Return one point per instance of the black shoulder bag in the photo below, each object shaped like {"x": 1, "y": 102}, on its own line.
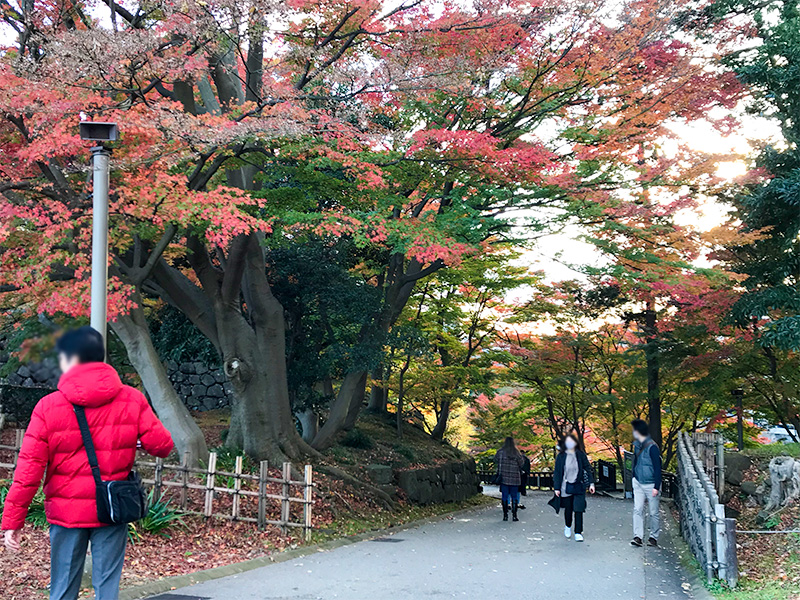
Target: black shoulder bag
{"x": 118, "y": 502}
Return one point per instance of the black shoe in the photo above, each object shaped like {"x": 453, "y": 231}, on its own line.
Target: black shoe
{"x": 652, "y": 542}
{"x": 637, "y": 541}
{"x": 505, "y": 511}
{"x": 521, "y": 507}
{"x": 514, "y": 507}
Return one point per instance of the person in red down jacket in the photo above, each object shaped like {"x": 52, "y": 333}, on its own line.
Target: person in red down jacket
{"x": 119, "y": 416}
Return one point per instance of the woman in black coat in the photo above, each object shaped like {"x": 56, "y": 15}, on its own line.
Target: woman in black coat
{"x": 571, "y": 476}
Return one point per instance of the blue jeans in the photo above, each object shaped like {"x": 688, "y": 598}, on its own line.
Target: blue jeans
{"x": 68, "y": 554}
{"x": 509, "y": 492}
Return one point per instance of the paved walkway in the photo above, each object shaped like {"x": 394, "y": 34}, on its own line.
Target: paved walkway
{"x": 475, "y": 556}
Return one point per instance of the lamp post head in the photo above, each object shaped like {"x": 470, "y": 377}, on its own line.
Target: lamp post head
{"x": 99, "y": 131}
{"x": 738, "y": 392}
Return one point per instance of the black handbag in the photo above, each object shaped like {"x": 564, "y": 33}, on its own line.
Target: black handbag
{"x": 118, "y": 502}
{"x": 575, "y": 488}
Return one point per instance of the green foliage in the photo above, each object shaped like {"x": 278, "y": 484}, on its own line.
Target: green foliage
{"x": 176, "y": 338}
{"x": 773, "y": 450}
{"x": 769, "y": 207}
{"x": 36, "y": 515}
{"x": 358, "y": 439}
{"x": 159, "y": 519}
{"x": 329, "y": 309}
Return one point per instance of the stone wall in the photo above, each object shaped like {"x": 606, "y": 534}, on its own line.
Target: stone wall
{"x": 200, "y": 387}
{"x": 449, "y": 482}
{"x": 44, "y": 374}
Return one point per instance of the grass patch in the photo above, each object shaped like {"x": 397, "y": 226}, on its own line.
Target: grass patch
{"x": 753, "y": 591}
{"x": 358, "y": 438}
{"x": 386, "y": 519}
{"x": 772, "y": 450}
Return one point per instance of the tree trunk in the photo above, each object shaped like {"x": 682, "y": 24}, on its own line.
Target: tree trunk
{"x": 356, "y": 403}
{"x": 441, "y": 423}
{"x": 651, "y": 358}
{"x": 351, "y": 395}
{"x": 309, "y": 424}
{"x": 378, "y": 398}
{"x": 135, "y": 335}
{"x": 401, "y": 392}
{"x": 262, "y": 423}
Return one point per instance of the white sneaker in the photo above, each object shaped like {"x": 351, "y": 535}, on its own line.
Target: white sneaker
{"x": 567, "y": 532}
{"x": 578, "y": 537}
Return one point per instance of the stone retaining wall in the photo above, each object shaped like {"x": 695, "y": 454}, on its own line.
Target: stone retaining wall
{"x": 200, "y": 387}
{"x": 449, "y": 482}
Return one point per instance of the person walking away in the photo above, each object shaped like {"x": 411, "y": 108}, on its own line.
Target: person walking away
{"x": 119, "y": 416}
{"x": 646, "y": 483}
{"x": 509, "y": 463}
{"x": 525, "y": 472}
{"x": 571, "y": 475}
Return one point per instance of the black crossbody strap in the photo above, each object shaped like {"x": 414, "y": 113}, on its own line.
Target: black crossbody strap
{"x": 87, "y": 442}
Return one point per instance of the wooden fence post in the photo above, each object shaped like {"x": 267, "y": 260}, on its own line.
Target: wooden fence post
{"x": 262, "y": 494}
{"x": 732, "y": 571}
{"x": 157, "y": 479}
{"x": 19, "y": 435}
{"x": 720, "y": 466}
{"x": 285, "y": 493}
{"x": 187, "y": 461}
{"x": 212, "y": 469}
{"x": 307, "y": 499}
{"x": 237, "y": 486}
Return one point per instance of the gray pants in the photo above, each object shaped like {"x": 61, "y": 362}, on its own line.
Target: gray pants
{"x": 643, "y": 492}
{"x": 68, "y": 553}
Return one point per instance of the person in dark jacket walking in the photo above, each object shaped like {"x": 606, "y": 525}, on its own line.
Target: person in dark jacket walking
{"x": 571, "y": 475}
{"x": 509, "y": 463}
{"x": 646, "y": 483}
{"x": 119, "y": 416}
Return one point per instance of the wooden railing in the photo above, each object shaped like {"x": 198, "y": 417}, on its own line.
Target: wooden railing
{"x": 263, "y": 498}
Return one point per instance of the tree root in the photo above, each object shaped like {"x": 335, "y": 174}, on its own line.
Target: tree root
{"x": 382, "y": 497}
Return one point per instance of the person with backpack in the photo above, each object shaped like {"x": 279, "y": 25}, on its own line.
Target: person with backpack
{"x": 646, "y": 483}
{"x": 82, "y": 440}
{"x": 572, "y": 475}
{"x": 509, "y": 463}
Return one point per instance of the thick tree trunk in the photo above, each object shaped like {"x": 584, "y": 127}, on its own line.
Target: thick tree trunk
{"x": 378, "y": 397}
{"x": 133, "y": 331}
{"x": 351, "y": 394}
{"x": 441, "y": 423}
{"x": 356, "y": 403}
{"x": 262, "y": 423}
{"x": 651, "y": 358}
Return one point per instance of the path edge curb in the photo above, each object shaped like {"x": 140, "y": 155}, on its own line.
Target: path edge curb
{"x": 169, "y": 584}
{"x": 681, "y": 549}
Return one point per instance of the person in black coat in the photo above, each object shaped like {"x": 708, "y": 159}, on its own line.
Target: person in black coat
{"x": 571, "y": 476}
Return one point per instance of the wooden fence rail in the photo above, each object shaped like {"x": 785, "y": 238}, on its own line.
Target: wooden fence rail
{"x": 186, "y": 486}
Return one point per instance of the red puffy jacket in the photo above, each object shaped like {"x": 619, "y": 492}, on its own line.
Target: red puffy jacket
{"x": 118, "y": 416}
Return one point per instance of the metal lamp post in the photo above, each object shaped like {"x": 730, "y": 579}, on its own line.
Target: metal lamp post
{"x": 738, "y": 394}
{"x": 102, "y": 132}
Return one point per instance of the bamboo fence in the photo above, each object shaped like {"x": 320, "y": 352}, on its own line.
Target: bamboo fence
{"x": 263, "y": 499}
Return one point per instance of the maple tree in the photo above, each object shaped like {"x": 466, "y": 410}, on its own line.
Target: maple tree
{"x": 445, "y": 339}
{"x": 416, "y": 131}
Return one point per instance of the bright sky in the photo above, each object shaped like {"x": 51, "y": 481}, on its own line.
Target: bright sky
{"x": 555, "y": 253}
